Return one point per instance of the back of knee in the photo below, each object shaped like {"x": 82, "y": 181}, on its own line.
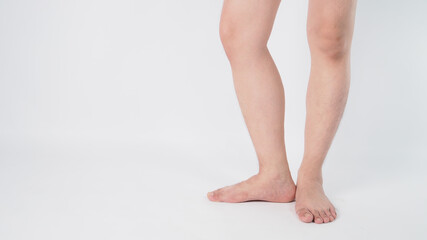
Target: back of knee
{"x": 328, "y": 40}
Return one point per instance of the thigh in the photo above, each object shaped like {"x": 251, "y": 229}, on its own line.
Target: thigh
{"x": 248, "y": 19}
{"x": 331, "y": 17}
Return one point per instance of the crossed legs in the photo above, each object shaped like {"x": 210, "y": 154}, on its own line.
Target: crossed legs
{"x": 245, "y": 29}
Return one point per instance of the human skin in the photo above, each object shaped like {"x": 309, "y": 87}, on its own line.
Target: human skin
{"x": 245, "y": 28}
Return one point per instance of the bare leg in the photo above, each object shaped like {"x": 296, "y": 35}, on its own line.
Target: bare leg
{"x": 329, "y": 30}
{"x": 245, "y": 29}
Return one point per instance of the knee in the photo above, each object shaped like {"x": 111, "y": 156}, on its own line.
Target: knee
{"x": 226, "y": 34}
{"x": 239, "y": 43}
{"x": 329, "y": 41}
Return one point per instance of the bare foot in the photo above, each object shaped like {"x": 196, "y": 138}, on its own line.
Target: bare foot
{"x": 312, "y": 203}
{"x": 257, "y": 187}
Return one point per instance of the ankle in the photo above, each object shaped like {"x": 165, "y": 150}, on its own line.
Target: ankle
{"x": 310, "y": 176}
{"x": 275, "y": 175}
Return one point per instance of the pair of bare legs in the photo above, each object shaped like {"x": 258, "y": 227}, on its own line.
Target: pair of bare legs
{"x": 245, "y": 28}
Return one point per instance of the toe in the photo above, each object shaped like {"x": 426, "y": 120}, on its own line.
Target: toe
{"x": 334, "y": 213}
{"x": 330, "y": 215}
{"x": 213, "y": 196}
{"x": 305, "y": 215}
{"x": 324, "y": 216}
{"x": 317, "y": 217}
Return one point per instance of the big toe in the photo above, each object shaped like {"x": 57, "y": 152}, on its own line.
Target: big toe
{"x": 214, "y": 196}
{"x": 305, "y": 215}
{"x": 211, "y": 196}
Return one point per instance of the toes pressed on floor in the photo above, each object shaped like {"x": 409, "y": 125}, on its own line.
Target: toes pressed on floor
{"x": 324, "y": 216}
{"x": 212, "y": 196}
{"x": 333, "y": 212}
{"x": 305, "y": 215}
{"x": 318, "y": 220}
{"x": 331, "y": 215}
{"x": 316, "y": 216}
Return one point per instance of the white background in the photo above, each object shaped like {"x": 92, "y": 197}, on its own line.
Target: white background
{"x": 117, "y": 117}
